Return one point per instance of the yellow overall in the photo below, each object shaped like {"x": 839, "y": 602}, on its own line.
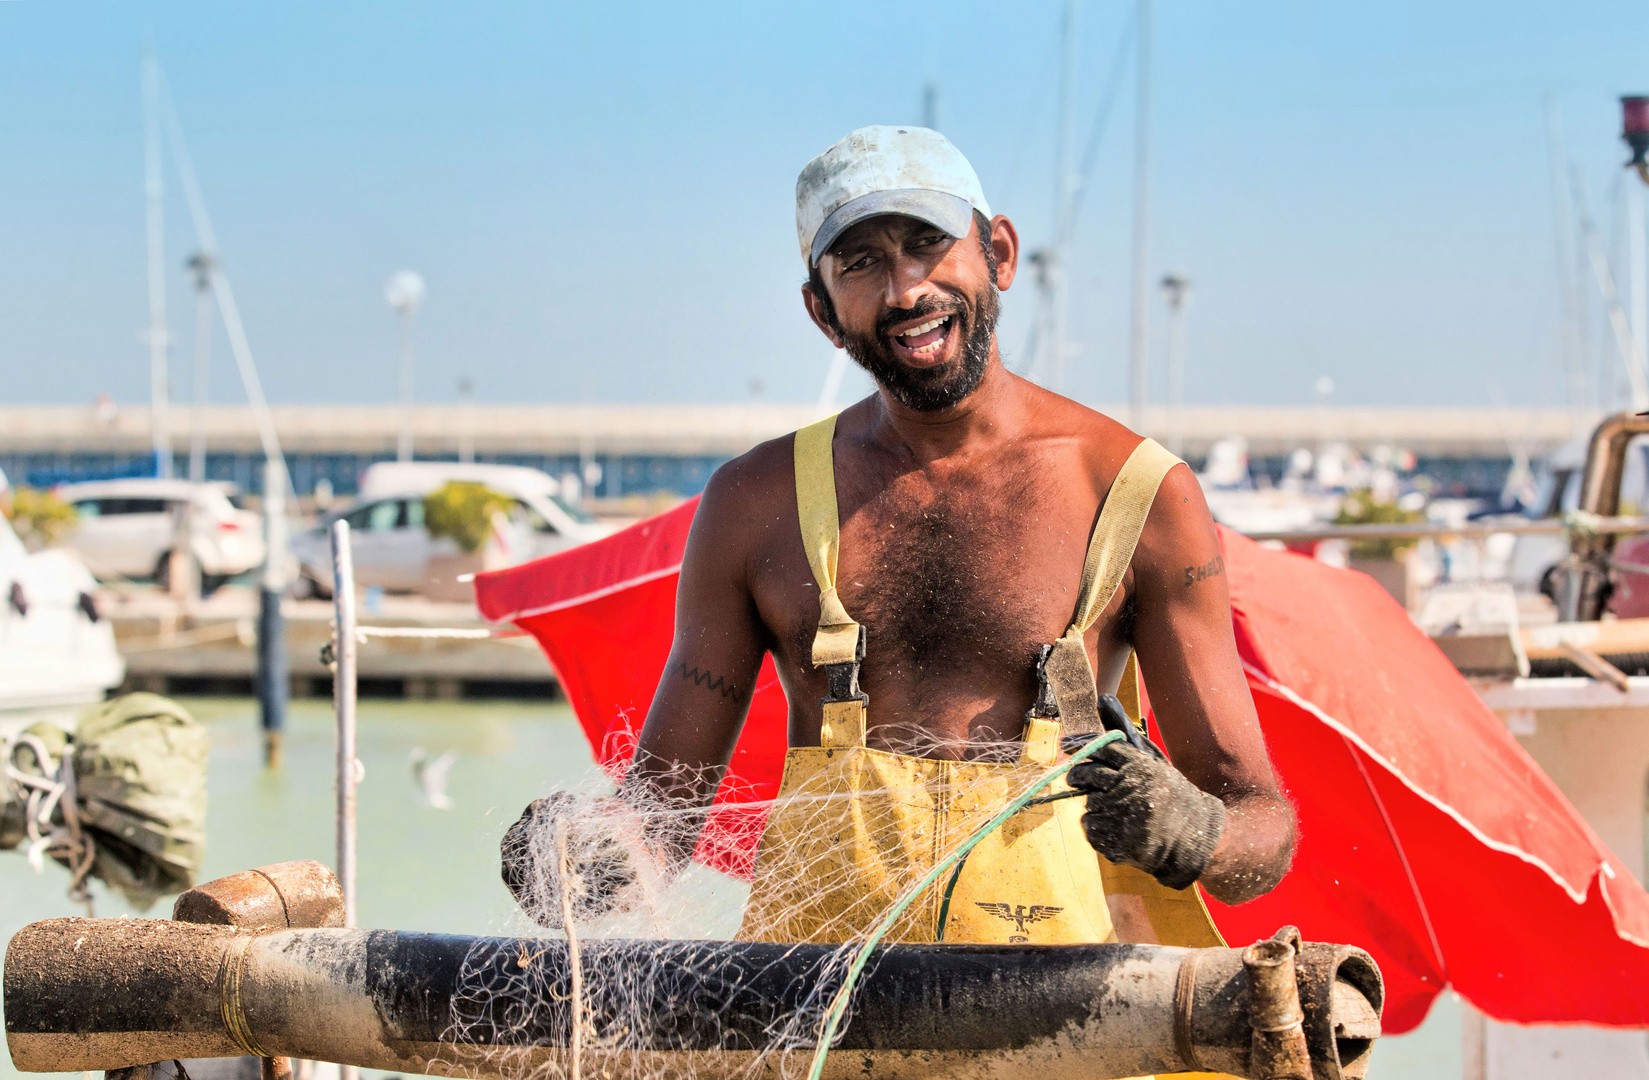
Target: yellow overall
{"x": 852, "y": 826}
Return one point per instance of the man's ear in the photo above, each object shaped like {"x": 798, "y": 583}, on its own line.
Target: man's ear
{"x": 1005, "y": 242}
{"x": 816, "y": 311}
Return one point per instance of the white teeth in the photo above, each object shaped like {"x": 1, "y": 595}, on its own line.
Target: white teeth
{"x": 925, "y": 327}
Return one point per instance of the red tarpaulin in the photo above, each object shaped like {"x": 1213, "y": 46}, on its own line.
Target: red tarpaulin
{"x": 1427, "y": 835}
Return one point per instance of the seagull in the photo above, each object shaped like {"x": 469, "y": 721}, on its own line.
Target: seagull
{"x": 432, "y": 776}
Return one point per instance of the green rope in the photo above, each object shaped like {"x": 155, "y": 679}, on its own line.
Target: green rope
{"x": 956, "y": 874}
{"x": 838, "y": 1006}
{"x": 944, "y": 905}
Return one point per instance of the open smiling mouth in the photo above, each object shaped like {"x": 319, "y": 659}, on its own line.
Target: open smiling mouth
{"x": 925, "y": 342}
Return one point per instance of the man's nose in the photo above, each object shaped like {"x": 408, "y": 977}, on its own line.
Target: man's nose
{"x": 906, "y": 282}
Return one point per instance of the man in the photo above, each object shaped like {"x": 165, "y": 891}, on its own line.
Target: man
{"x": 908, "y": 564}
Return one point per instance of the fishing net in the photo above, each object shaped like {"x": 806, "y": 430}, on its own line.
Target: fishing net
{"x": 121, "y": 798}
{"x": 615, "y": 981}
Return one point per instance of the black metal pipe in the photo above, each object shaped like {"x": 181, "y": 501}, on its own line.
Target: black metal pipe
{"x": 102, "y": 994}
{"x": 273, "y": 675}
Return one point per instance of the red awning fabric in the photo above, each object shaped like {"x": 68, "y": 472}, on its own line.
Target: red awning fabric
{"x": 1427, "y": 835}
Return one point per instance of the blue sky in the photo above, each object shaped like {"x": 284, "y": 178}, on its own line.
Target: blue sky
{"x": 600, "y": 196}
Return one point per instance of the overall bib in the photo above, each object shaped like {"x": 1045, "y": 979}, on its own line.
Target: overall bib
{"x": 852, "y": 826}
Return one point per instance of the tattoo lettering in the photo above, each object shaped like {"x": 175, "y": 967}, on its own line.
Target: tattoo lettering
{"x": 701, "y": 677}
{"x": 1212, "y": 568}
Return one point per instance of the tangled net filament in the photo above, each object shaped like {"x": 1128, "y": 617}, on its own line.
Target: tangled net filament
{"x": 612, "y": 994}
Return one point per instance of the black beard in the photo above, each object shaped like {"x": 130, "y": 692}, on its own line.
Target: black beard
{"x": 939, "y": 387}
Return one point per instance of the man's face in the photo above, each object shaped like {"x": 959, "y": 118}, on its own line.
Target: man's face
{"x": 914, "y": 307}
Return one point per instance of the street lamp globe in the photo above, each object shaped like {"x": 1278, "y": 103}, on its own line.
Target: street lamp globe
{"x": 404, "y": 291}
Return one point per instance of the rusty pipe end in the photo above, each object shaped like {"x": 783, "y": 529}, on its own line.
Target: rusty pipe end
{"x": 300, "y": 894}
{"x": 1277, "y": 1049}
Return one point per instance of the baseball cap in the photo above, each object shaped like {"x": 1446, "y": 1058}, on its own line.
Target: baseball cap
{"x": 913, "y": 171}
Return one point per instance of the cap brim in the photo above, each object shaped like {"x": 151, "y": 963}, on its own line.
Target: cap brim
{"x": 942, "y": 210}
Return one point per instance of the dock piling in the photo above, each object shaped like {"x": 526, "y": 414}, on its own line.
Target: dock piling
{"x": 274, "y": 672}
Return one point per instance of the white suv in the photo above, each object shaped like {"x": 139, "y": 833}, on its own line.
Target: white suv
{"x": 392, "y": 548}
{"x": 129, "y": 527}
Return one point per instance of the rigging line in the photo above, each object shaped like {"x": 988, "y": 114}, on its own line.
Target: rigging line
{"x": 1113, "y": 90}
{"x": 1623, "y": 330}
{"x": 1033, "y": 107}
{"x": 239, "y": 347}
{"x": 185, "y": 166}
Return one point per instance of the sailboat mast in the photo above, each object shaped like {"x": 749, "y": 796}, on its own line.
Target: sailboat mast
{"x": 160, "y": 433}
{"x": 1058, "y": 275}
{"x": 1637, "y": 276}
{"x": 1138, "y": 374}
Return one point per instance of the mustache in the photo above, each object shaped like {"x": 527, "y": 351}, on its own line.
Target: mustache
{"x": 925, "y": 307}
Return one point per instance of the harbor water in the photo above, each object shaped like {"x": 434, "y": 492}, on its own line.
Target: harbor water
{"x": 433, "y": 869}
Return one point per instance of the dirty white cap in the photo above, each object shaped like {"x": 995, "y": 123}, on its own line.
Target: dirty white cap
{"x": 912, "y": 171}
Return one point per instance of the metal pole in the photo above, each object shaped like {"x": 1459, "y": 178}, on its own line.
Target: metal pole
{"x": 1064, "y": 190}
{"x": 403, "y": 436}
{"x": 1138, "y": 373}
{"x": 1177, "y": 289}
{"x": 160, "y": 434}
{"x": 274, "y": 679}
{"x": 466, "y": 433}
{"x": 344, "y": 646}
{"x": 343, "y": 697}
{"x": 201, "y": 264}
{"x": 1640, "y": 279}
{"x": 1575, "y": 367}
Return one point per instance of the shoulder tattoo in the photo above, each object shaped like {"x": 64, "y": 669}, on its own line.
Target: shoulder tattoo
{"x": 1212, "y": 568}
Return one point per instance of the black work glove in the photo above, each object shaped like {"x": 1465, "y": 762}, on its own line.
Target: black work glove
{"x": 602, "y": 838}
{"x": 1144, "y": 812}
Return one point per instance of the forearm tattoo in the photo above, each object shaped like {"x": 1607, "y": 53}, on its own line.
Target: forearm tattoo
{"x": 703, "y": 677}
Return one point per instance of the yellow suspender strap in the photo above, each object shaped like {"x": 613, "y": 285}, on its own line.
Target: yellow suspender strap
{"x": 837, "y": 639}
{"x": 1116, "y": 534}
{"x": 1110, "y": 551}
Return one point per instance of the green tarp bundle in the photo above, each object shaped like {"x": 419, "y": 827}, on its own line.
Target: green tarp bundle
{"x": 138, "y": 820}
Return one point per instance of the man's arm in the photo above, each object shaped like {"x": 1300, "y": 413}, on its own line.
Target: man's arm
{"x": 1187, "y": 649}
{"x": 707, "y": 684}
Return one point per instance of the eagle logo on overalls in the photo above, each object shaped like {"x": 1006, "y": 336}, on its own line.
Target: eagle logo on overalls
{"x": 1021, "y": 916}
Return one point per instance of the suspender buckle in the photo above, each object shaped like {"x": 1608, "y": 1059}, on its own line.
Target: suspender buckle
{"x": 842, "y": 680}
{"x": 1046, "y": 706}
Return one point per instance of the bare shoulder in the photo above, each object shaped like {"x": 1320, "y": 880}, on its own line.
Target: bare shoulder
{"x": 1103, "y": 442}
{"x": 1179, "y": 520}
{"x": 743, "y": 494}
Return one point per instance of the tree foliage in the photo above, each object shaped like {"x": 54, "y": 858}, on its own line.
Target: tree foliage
{"x": 462, "y": 510}
{"x": 1359, "y": 508}
{"x": 39, "y": 518}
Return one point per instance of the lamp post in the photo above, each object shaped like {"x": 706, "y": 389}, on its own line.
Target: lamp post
{"x": 405, "y": 291}
{"x": 466, "y": 433}
{"x": 1635, "y": 131}
{"x": 201, "y": 263}
{"x": 1176, "y": 290}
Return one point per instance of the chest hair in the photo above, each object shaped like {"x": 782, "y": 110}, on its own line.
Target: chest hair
{"x": 944, "y": 587}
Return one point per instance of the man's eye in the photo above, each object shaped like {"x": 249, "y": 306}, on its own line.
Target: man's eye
{"x": 931, "y": 239}
{"x": 858, "y": 264}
